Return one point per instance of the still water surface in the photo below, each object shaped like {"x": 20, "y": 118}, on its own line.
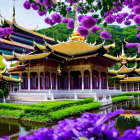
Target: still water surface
{"x": 14, "y": 129}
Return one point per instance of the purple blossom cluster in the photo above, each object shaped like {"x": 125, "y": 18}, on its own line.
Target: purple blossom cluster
{"x": 37, "y": 6}
{"x": 5, "y": 31}
{"x": 55, "y": 18}
{"x": 89, "y": 125}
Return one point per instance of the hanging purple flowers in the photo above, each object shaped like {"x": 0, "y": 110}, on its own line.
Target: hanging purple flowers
{"x": 105, "y": 35}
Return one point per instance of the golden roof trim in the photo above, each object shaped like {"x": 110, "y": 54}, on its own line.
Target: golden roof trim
{"x": 10, "y": 79}
{"x": 112, "y": 57}
{"x": 33, "y": 57}
{"x": 109, "y": 46}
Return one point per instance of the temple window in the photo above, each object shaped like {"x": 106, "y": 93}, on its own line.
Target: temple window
{"x": 24, "y": 84}
{"x": 95, "y": 81}
{"x": 47, "y": 82}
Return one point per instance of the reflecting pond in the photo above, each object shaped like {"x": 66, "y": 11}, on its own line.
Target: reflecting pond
{"x": 14, "y": 128}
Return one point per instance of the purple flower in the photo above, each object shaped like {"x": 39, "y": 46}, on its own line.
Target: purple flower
{"x": 137, "y": 19}
{"x": 119, "y": 8}
{"x": 138, "y": 49}
{"x": 136, "y": 1}
{"x": 138, "y": 27}
{"x": 8, "y": 30}
{"x": 119, "y": 19}
{"x": 95, "y": 29}
{"x": 69, "y": 8}
{"x": 130, "y": 45}
{"x": 27, "y": 5}
{"x": 41, "y": 2}
{"x": 1, "y": 32}
{"x": 47, "y": 20}
{"x": 56, "y": 18}
{"x": 80, "y": 17}
{"x": 52, "y": 22}
{"x": 34, "y": 6}
{"x": 79, "y": 8}
{"x": 110, "y": 19}
{"x": 88, "y": 22}
{"x": 83, "y": 31}
{"x": 105, "y": 35}
{"x": 131, "y": 5}
{"x": 65, "y": 20}
{"x": 138, "y": 35}
{"x": 5, "y": 138}
{"x": 41, "y": 13}
{"x": 127, "y": 22}
{"x": 136, "y": 9}
{"x": 70, "y": 24}
{"x": 72, "y": 1}
{"x": 124, "y": 15}
{"x": 131, "y": 16}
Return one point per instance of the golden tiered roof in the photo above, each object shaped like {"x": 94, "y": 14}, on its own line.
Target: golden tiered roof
{"x": 5, "y": 78}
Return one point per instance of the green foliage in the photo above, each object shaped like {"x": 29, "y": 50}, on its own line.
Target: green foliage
{"x": 126, "y": 94}
{"x": 13, "y": 65}
{"x": 13, "y": 114}
{"x": 1, "y": 93}
{"x": 41, "y": 112}
{"x": 2, "y": 65}
{"x": 132, "y": 93}
{"x": 74, "y": 110}
{"x": 122, "y": 98}
{"x": 6, "y": 93}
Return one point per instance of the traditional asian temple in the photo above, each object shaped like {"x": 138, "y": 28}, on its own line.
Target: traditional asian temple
{"x": 128, "y": 77}
{"x": 70, "y": 70}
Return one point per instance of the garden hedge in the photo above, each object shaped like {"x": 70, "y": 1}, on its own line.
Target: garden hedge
{"x": 122, "y": 98}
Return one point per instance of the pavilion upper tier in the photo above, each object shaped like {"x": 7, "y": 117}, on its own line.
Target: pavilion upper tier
{"x": 124, "y": 70}
{"x": 21, "y": 39}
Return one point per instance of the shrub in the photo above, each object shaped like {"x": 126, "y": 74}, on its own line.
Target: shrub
{"x": 117, "y": 95}
{"x": 122, "y": 98}
{"x": 6, "y": 93}
{"x": 61, "y": 114}
{"x": 48, "y": 107}
{"x": 132, "y": 93}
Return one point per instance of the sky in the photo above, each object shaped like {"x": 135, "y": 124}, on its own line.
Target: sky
{"x": 27, "y": 18}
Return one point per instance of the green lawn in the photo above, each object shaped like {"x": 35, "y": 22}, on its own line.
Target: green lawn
{"x": 47, "y": 111}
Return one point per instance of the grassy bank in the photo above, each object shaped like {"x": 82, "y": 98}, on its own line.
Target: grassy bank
{"x": 47, "y": 111}
{"x": 121, "y": 98}
{"x": 126, "y": 94}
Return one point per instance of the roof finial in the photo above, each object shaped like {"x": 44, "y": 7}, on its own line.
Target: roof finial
{"x": 14, "y": 20}
{"x": 76, "y": 19}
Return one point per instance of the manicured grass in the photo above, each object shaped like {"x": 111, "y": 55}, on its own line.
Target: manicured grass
{"x": 126, "y": 94}
{"x": 47, "y": 111}
{"x": 122, "y": 98}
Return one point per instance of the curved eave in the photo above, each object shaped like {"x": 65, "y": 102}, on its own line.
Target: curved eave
{"x": 33, "y": 57}
{"x": 3, "y": 71}
{"x": 107, "y": 47}
{"x": 17, "y": 68}
{"x": 131, "y": 79}
{"x": 112, "y": 72}
{"x": 9, "y": 57}
{"x": 121, "y": 76}
{"x": 113, "y": 58}
{"x": 39, "y": 47}
{"x": 10, "y": 79}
